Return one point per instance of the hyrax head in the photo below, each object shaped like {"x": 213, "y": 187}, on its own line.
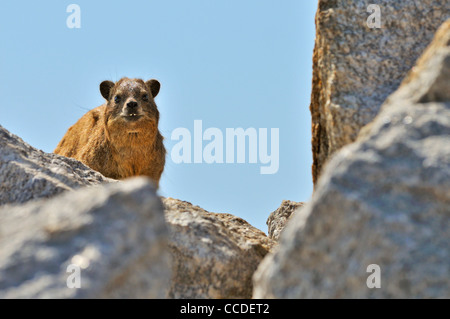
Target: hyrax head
{"x": 130, "y": 101}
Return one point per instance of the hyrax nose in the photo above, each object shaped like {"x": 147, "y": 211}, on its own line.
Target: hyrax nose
{"x": 132, "y": 105}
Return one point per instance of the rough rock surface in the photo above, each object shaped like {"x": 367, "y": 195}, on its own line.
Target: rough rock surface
{"x": 115, "y": 233}
{"x": 27, "y": 173}
{"x": 355, "y": 68}
{"x": 383, "y": 200}
{"x": 214, "y": 255}
{"x": 277, "y": 220}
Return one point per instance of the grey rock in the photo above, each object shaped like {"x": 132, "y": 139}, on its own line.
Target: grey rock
{"x": 116, "y": 234}
{"x": 355, "y": 68}
{"x": 383, "y": 200}
{"x": 214, "y": 255}
{"x": 277, "y": 219}
{"x": 27, "y": 173}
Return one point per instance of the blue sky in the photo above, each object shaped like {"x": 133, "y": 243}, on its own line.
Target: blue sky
{"x": 228, "y": 63}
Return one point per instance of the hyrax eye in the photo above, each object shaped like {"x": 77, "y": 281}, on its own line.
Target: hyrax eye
{"x": 117, "y": 99}
{"x": 145, "y": 97}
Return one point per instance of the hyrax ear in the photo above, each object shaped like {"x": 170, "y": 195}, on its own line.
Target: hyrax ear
{"x": 105, "y": 88}
{"x": 154, "y": 86}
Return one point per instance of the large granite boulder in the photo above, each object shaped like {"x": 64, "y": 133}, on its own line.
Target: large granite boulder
{"x": 113, "y": 236}
{"x": 27, "y": 173}
{"x": 383, "y": 200}
{"x": 355, "y": 68}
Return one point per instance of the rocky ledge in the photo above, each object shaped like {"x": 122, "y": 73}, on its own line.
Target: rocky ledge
{"x": 125, "y": 240}
{"x": 382, "y": 202}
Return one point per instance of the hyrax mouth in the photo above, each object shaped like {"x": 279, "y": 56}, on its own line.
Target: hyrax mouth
{"x": 132, "y": 116}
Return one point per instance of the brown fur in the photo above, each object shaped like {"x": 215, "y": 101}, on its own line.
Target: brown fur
{"x": 111, "y": 140}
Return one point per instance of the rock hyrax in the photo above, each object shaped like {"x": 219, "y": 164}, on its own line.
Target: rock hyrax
{"x": 120, "y": 138}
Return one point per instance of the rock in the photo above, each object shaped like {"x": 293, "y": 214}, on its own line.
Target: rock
{"x": 27, "y": 173}
{"x": 277, "y": 220}
{"x": 214, "y": 255}
{"x": 382, "y": 200}
{"x": 355, "y": 68}
{"x": 115, "y": 233}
